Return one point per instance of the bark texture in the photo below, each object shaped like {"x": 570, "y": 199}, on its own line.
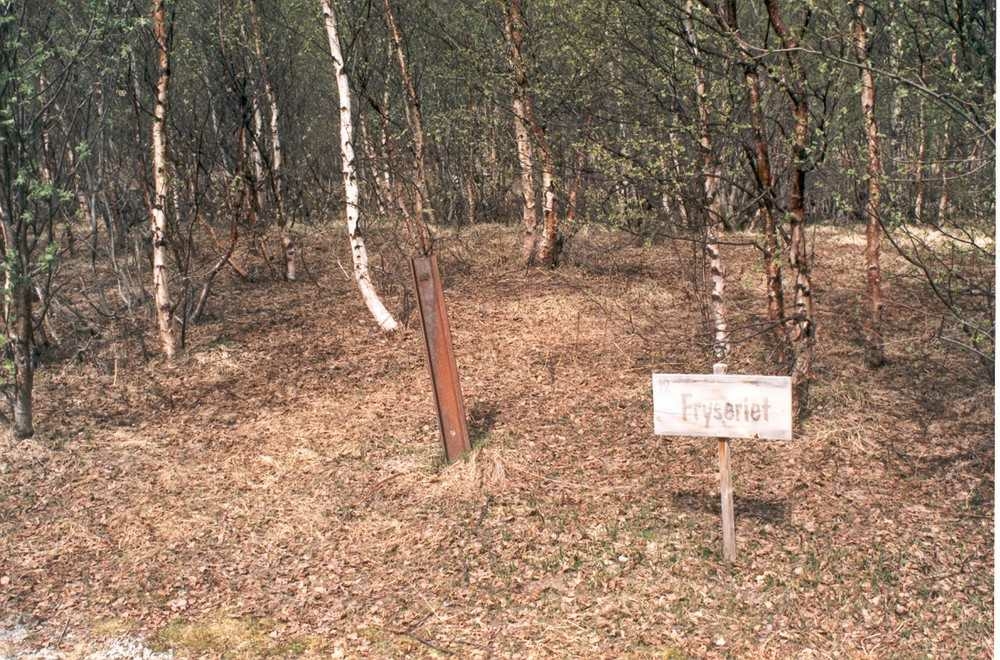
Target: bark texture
{"x": 161, "y": 185}
{"x": 17, "y": 311}
{"x": 359, "y": 254}
{"x": 874, "y": 346}
{"x": 277, "y": 154}
{"x": 711, "y": 176}
{"x": 766, "y": 206}
{"x": 256, "y": 140}
{"x": 919, "y": 186}
{"x": 550, "y": 216}
{"x": 424, "y": 211}
{"x": 802, "y": 327}
{"x": 23, "y": 344}
{"x": 523, "y": 114}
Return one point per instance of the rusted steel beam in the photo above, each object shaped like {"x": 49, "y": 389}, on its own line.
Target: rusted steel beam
{"x": 440, "y": 357}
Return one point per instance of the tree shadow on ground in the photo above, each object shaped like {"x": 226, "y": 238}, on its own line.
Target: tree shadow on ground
{"x": 482, "y": 418}
{"x": 769, "y": 511}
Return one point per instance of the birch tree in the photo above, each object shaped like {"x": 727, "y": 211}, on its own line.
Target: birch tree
{"x": 257, "y": 152}
{"x": 728, "y": 18}
{"x": 424, "y": 211}
{"x": 710, "y": 175}
{"x": 527, "y": 129}
{"x": 550, "y": 212}
{"x": 874, "y": 349}
{"x": 919, "y": 186}
{"x": 795, "y": 84}
{"x": 521, "y": 104}
{"x": 277, "y": 158}
{"x": 161, "y": 184}
{"x": 17, "y": 375}
{"x": 359, "y": 254}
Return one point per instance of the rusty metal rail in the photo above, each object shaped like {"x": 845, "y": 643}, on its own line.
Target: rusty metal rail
{"x": 440, "y": 356}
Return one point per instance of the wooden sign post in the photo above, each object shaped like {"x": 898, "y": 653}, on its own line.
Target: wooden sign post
{"x": 726, "y": 489}
{"x": 440, "y": 357}
{"x": 723, "y": 407}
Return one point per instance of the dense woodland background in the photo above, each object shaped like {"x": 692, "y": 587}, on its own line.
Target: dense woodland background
{"x": 671, "y": 121}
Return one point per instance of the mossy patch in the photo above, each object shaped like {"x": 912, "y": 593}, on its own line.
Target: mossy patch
{"x": 229, "y": 637}
{"x": 112, "y": 627}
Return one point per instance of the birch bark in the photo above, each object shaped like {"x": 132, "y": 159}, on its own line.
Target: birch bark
{"x": 359, "y": 254}
{"x": 161, "y": 184}
{"x": 414, "y": 119}
{"x": 874, "y": 349}
{"x": 17, "y": 313}
{"x": 521, "y": 105}
{"x": 550, "y": 217}
{"x": 802, "y": 327}
{"x": 729, "y": 19}
{"x": 941, "y": 170}
{"x": 711, "y": 175}
{"x": 284, "y": 222}
{"x": 765, "y": 182}
{"x": 919, "y": 185}
{"x": 256, "y": 140}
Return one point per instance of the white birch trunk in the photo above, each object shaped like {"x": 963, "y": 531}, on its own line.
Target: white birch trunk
{"x": 713, "y": 215}
{"x": 918, "y": 166}
{"x": 802, "y": 327}
{"x": 358, "y": 252}
{"x": 287, "y": 244}
{"x": 521, "y": 104}
{"x": 526, "y": 160}
{"x": 550, "y": 221}
{"x": 161, "y": 291}
{"x": 942, "y": 170}
{"x": 258, "y": 158}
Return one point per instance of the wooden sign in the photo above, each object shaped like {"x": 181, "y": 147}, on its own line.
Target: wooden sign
{"x": 719, "y": 406}
{"x": 723, "y": 407}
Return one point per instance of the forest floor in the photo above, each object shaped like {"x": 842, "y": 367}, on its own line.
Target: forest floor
{"x": 279, "y": 489}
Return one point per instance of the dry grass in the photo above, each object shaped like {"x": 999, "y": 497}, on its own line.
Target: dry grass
{"x": 279, "y": 489}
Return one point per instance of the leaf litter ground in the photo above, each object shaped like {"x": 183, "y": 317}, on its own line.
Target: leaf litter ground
{"x": 279, "y": 490}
